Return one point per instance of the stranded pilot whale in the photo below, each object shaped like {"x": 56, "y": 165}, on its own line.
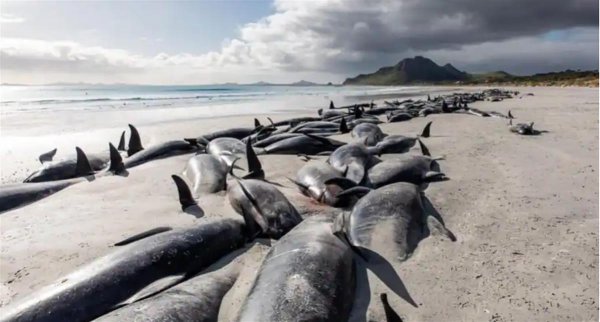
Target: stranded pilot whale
{"x": 394, "y": 212}
{"x": 308, "y": 275}
{"x": 19, "y": 194}
{"x": 197, "y": 299}
{"x": 131, "y": 272}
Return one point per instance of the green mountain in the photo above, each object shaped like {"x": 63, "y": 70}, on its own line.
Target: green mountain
{"x": 421, "y": 70}
{"x": 417, "y": 70}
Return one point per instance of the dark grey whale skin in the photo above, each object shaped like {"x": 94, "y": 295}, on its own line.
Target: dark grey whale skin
{"x": 103, "y": 284}
{"x": 65, "y": 169}
{"x": 279, "y": 215}
{"x": 195, "y": 300}
{"x": 410, "y": 168}
{"x": 161, "y": 150}
{"x": 19, "y": 194}
{"x": 301, "y": 145}
{"x": 308, "y": 275}
{"x": 397, "y": 206}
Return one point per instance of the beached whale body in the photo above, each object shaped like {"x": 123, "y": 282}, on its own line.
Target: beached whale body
{"x": 394, "y": 212}
{"x": 313, "y": 180}
{"x": 353, "y": 160}
{"x": 19, "y": 194}
{"x": 67, "y": 169}
{"x": 416, "y": 169}
{"x": 226, "y": 149}
{"x": 305, "y": 144}
{"x": 400, "y": 143}
{"x": 162, "y": 150}
{"x": 162, "y": 260}
{"x": 274, "y": 138}
{"x": 197, "y": 299}
{"x": 368, "y": 133}
{"x": 296, "y": 120}
{"x": 308, "y": 275}
{"x": 268, "y": 207}
{"x": 206, "y": 173}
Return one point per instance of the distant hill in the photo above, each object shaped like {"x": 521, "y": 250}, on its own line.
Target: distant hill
{"x": 421, "y": 70}
{"x": 417, "y": 70}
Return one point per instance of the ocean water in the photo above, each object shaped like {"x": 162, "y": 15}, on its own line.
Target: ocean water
{"x": 14, "y": 98}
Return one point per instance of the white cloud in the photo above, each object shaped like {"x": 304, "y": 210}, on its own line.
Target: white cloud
{"x": 10, "y": 18}
{"x": 329, "y": 40}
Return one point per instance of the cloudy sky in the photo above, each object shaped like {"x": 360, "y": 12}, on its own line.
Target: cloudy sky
{"x": 215, "y": 41}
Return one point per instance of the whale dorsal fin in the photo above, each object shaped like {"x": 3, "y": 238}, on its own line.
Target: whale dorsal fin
{"x": 83, "y": 167}
{"x": 331, "y": 106}
{"x": 257, "y": 123}
{"x": 254, "y": 166}
{"x": 142, "y": 235}
{"x": 116, "y": 161}
{"x": 185, "y": 194}
{"x": 135, "y": 142}
{"x": 510, "y": 116}
{"x": 121, "y": 146}
{"x": 426, "y": 129}
{"x": 344, "y": 126}
{"x": 47, "y": 157}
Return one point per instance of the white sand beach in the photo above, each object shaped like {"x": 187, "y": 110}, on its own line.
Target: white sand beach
{"x": 524, "y": 209}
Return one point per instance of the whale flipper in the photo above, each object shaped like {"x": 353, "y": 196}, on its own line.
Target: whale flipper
{"x": 424, "y": 149}
{"x": 435, "y": 226}
{"x": 83, "y": 167}
{"x": 153, "y": 288}
{"x": 258, "y": 216}
{"x": 121, "y": 146}
{"x": 135, "y": 142}
{"x": 358, "y": 190}
{"x": 341, "y": 182}
{"x": 185, "y": 194}
{"x": 390, "y": 314}
{"x": 434, "y": 176}
{"x": 116, "y": 161}
{"x": 143, "y": 235}
{"x": 47, "y": 157}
